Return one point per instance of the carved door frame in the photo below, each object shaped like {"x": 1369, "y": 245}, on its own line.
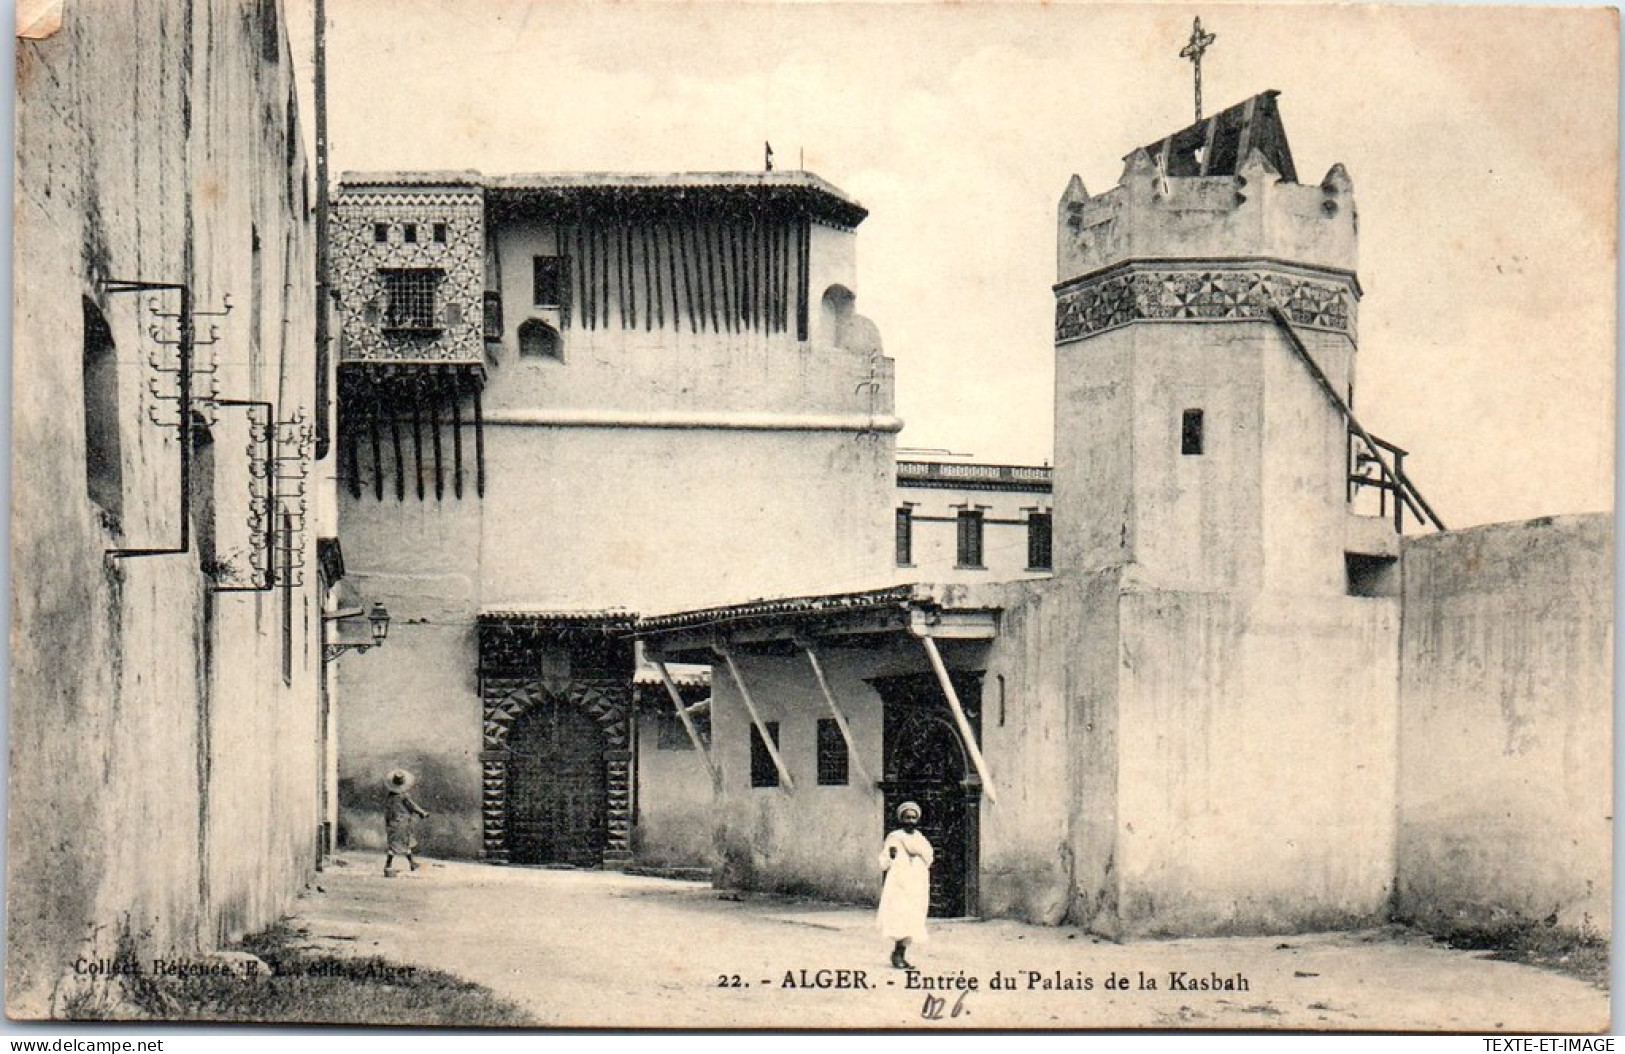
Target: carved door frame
{"x": 922, "y": 694}
{"x": 608, "y": 701}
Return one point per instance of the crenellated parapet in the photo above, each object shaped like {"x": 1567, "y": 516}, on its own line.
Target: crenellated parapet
{"x": 1223, "y": 189}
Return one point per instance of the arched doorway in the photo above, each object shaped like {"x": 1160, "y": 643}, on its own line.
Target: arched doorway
{"x": 926, "y": 762}
{"x": 557, "y": 787}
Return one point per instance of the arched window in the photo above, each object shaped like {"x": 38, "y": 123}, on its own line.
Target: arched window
{"x": 538, "y": 340}
{"x": 104, "y": 463}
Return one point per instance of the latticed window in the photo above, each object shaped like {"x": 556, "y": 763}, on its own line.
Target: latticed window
{"x": 763, "y": 773}
{"x": 832, "y": 759}
{"x": 1040, "y": 541}
{"x": 411, "y": 296}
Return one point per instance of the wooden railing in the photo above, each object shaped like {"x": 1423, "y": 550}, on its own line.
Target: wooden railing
{"x": 1365, "y": 450}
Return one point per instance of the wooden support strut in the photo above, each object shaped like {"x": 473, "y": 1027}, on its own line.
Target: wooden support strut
{"x": 688, "y": 722}
{"x": 840, "y": 718}
{"x": 755, "y": 718}
{"x": 959, "y": 716}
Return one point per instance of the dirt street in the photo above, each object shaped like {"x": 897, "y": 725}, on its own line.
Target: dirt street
{"x": 591, "y": 948}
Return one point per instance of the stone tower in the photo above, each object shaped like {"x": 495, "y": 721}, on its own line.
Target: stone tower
{"x": 1239, "y": 757}
{"x": 1194, "y": 442}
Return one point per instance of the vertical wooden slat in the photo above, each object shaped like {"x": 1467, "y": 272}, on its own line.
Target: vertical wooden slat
{"x": 457, "y": 434}
{"x": 623, "y": 276}
{"x": 728, "y": 257}
{"x": 745, "y": 308}
{"x": 650, "y": 271}
{"x": 784, "y": 277}
{"x": 479, "y": 446}
{"x": 352, "y": 451}
{"x": 589, "y": 307}
{"x": 688, "y": 285}
{"x": 660, "y": 290}
{"x": 712, "y": 266}
{"x": 671, "y": 266}
{"x": 742, "y": 265}
{"x": 568, "y": 264}
{"x": 434, "y": 430}
{"x": 803, "y": 276}
{"x": 417, "y": 443}
{"x": 696, "y": 250}
{"x": 377, "y": 451}
{"x": 759, "y": 274}
{"x": 603, "y": 290}
{"x": 772, "y": 277}
{"x": 787, "y": 282}
{"x": 400, "y": 460}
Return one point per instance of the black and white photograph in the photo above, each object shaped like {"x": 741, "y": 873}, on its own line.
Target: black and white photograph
{"x": 720, "y": 515}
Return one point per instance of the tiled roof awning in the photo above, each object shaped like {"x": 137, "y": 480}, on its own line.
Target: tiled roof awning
{"x": 917, "y": 610}
{"x": 609, "y": 620}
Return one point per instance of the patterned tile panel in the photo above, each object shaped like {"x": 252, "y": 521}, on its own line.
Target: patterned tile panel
{"x": 359, "y": 258}
{"x": 1210, "y": 294}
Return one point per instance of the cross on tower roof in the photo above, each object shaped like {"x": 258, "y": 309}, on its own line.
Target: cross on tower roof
{"x": 1193, "y": 50}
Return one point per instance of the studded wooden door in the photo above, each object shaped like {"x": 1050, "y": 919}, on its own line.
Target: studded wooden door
{"x": 556, "y": 788}
{"x": 926, "y": 763}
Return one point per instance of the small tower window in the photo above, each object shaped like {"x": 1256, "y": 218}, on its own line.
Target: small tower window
{"x": 380, "y": 232}
{"x": 409, "y": 232}
{"x": 440, "y": 233}
{"x": 538, "y": 340}
{"x": 905, "y": 537}
{"x": 1190, "y": 434}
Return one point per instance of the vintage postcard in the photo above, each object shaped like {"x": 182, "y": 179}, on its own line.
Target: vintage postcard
{"x": 813, "y": 516}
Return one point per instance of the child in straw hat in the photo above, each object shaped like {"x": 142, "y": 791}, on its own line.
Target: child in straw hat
{"x": 401, "y": 814}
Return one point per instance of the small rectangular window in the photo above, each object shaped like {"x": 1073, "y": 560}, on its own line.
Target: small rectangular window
{"x": 409, "y": 233}
{"x": 548, "y": 281}
{"x": 763, "y": 773}
{"x": 905, "y": 537}
{"x": 1040, "y": 541}
{"x": 970, "y": 538}
{"x": 832, "y": 760}
{"x": 1190, "y": 434}
{"x": 440, "y": 233}
{"x": 380, "y": 232}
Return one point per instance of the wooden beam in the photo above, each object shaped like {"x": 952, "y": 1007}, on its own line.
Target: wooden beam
{"x": 756, "y": 719}
{"x": 840, "y": 718}
{"x": 688, "y": 722}
{"x": 954, "y": 625}
{"x": 971, "y": 746}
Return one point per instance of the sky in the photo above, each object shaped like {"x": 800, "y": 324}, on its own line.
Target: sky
{"x": 1482, "y": 144}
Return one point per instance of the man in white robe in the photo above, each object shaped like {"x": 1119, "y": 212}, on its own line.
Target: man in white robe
{"x": 906, "y": 857}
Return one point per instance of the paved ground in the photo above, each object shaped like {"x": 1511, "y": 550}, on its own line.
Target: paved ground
{"x": 600, "y": 948}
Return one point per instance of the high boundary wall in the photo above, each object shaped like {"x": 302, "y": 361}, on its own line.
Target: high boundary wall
{"x": 1506, "y": 690}
{"x": 165, "y": 763}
